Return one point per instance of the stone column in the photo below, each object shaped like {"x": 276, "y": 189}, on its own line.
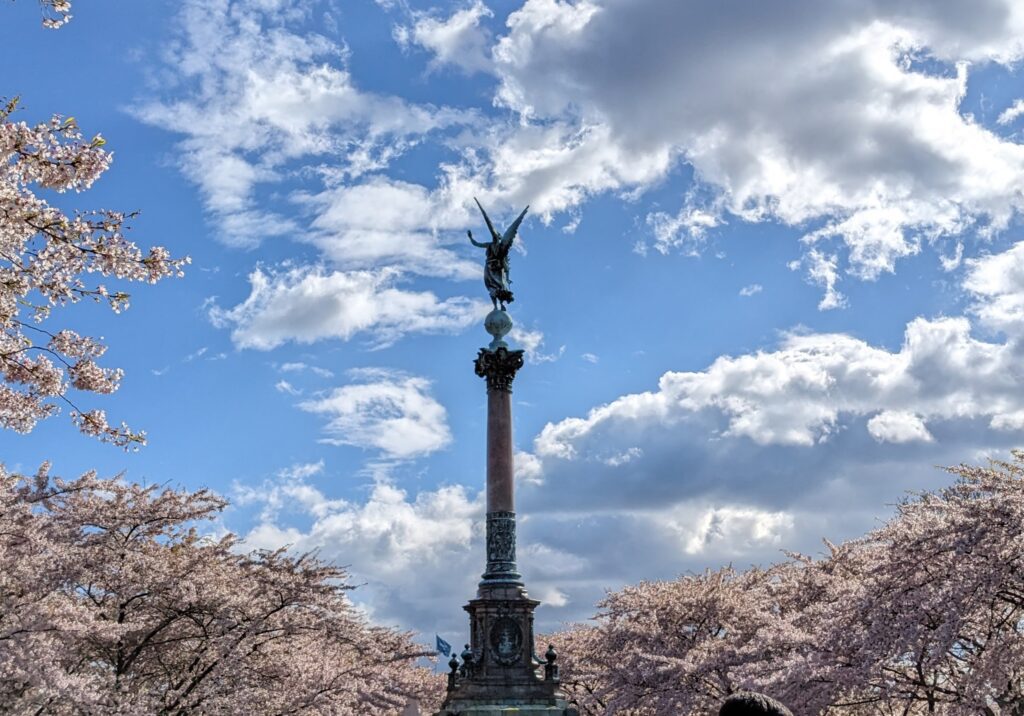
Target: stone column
{"x": 499, "y": 665}
{"x": 498, "y": 366}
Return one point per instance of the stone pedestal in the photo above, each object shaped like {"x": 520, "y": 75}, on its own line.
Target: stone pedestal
{"x": 499, "y": 670}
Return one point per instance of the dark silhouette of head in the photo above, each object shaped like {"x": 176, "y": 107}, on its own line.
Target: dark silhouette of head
{"x": 748, "y": 703}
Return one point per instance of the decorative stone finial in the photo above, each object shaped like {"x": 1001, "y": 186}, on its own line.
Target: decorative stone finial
{"x": 453, "y": 664}
{"x": 551, "y": 668}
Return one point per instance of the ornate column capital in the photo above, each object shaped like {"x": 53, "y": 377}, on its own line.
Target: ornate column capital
{"x": 499, "y": 367}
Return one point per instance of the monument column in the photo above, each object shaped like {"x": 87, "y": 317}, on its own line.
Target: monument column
{"x": 499, "y": 669}
{"x": 498, "y": 365}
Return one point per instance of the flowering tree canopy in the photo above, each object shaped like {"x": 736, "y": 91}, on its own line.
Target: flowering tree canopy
{"x": 45, "y": 255}
{"x": 112, "y": 601}
{"x": 924, "y": 615}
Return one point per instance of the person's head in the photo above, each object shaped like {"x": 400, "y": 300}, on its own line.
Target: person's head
{"x": 748, "y": 703}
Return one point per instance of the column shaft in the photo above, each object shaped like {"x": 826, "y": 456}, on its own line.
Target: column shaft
{"x": 500, "y": 470}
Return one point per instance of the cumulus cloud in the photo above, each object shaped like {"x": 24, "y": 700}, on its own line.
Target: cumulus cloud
{"x": 414, "y": 556}
{"x": 898, "y": 426}
{"x": 306, "y": 304}
{"x": 800, "y": 393}
{"x": 390, "y": 412}
{"x": 806, "y": 112}
{"x": 457, "y": 40}
{"x": 997, "y": 284}
{"x": 734, "y": 529}
{"x": 418, "y": 556}
{"x": 813, "y": 398}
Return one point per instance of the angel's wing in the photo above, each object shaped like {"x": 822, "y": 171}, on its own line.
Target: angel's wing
{"x": 510, "y": 232}
{"x": 494, "y": 234}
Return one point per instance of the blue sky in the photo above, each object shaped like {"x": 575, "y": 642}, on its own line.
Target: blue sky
{"x": 770, "y": 278}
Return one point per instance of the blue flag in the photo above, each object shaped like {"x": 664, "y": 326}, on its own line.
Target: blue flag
{"x": 443, "y": 646}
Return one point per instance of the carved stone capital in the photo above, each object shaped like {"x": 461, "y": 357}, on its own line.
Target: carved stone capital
{"x": 498, "y": 367}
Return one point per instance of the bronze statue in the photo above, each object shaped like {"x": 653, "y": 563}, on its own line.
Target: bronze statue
{"x": 496, "y": 264}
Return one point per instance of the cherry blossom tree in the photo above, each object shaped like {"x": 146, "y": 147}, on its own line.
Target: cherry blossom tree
{"x": 45, "y": 256}
{"x": 114, "y": 601}
{"x": 922, "y": 616}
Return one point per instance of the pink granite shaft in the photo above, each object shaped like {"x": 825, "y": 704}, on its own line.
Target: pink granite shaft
{"x": 500, "y": 468}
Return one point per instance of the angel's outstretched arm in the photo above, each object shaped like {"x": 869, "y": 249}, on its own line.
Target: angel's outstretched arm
{"x": 474, "y": 241}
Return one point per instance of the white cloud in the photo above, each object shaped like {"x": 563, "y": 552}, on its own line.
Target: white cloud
{"x": 418, "y": 556}
{"x": 310, "y": 303}
{"x": 528, "y": 468}
{"x": 385, "y": 221}
{"x": 299, "y": 366}
{"x": 1008, "y": 115}
{"x": 302, "y": 470}
{"x": 390, "y": 533}
{"x": 686, "y": 231}
{"x": 532, "y": 342}
{"x": 801, "y": 393}
{"x": 255, "y": 92}
{"x": 415, "y": 558}
{"x": 848, "y": 135}
{"x": 390, "y": 412}
{"x": 997, "y": 283}
{"x": 751, "y": 290}
{"x": 626, "y": 456}
{"x": 590, "y": 357}
{"x": 1011, "y": 422}
{"x": 283, "y": 386}
{"x": 823, "y": 271}
{"x": 839, "y": 125}
{"x": 898, "y": 426}
{"x": 736, "y": 530}
{"x": 458, "y": 40}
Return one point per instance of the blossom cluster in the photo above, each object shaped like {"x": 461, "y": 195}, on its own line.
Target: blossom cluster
{"x": 114, "y": 600}
{"x": 924, "y": 615}
{"x": 46, "y": 256}
{"x": 56, "y": 13}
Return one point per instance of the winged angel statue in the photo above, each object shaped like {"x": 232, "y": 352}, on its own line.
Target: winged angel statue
{"x": 496, "y": 263}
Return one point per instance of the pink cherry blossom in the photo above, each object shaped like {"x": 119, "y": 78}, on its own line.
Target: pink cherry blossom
{"x": 924, "y": 615}
{"x": 117, "y": 598}
{"x": 46, "y": 256}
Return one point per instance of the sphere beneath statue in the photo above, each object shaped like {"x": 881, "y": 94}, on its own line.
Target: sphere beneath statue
{"x": 498, "y": 324}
